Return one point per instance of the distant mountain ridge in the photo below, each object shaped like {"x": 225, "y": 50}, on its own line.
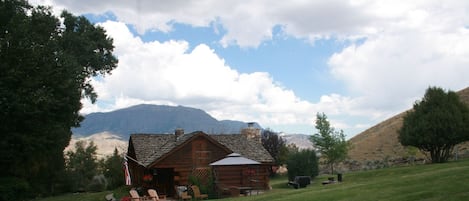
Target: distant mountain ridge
{"x": 299, "y": 140}
{"x": 147, "y": 118}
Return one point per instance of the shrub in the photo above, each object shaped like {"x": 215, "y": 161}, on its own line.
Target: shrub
{"x": 302, "y": 163}
{"x": 13, "y": 188}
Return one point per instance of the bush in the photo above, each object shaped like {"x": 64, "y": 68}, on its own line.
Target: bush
{"x": 13, "y": 188}
{"x": 302, "y": 163}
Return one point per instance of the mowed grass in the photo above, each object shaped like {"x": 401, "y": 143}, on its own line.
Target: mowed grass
{"x": 99, "y": 196}
{"x": 449, "y": 181}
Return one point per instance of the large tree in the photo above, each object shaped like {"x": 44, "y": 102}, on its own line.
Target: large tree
{"x": 436, "y": 124}
{"x": 45, "y": 68}
{"x": 329, "y": 142}
{"x": 275, "y": 145}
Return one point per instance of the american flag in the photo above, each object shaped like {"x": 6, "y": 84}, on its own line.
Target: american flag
{"x": 128, "y": 181}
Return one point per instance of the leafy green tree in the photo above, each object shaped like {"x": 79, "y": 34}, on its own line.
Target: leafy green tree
{"x": 45, "y": 68}
{"x": 436, "y": 124}
{"x": 275, "y": 145}
{"x": 82, "y": 164}
{"x": 302, "y": 163}
{"x": 330, "y": 143}
{"x": 292, "y": 148}
{"x": 113, "y": 170}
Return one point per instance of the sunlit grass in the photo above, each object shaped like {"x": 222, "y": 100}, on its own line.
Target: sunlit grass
{"x": 449, "y": 181}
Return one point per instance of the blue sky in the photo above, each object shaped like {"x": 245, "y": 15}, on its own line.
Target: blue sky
{"x": 280, "y": 63}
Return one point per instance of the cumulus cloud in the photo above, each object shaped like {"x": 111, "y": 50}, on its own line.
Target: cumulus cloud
{"x": 395, "y": 49}
{"x": 172, "y": 74}
{"x": 247, "y": 24}
{"x": 424, "y": 47}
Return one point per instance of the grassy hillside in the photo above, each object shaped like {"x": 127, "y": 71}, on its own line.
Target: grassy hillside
{"x": 381, "y": 141}
{"x": 447, "y": 182}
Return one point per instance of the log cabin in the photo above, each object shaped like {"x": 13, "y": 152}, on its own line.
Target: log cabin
{"x": 164, "y": 161}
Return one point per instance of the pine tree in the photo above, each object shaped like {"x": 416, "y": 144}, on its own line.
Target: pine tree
{"x": 82, "y": 165}
{"x": 113, "y": 171}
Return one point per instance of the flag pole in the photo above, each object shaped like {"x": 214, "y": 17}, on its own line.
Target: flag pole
{"x": 128, "y": 180}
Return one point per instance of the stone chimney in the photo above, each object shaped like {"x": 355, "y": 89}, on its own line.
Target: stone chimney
{"x": 178, "y": 132}
{"x": 251, "y": 132}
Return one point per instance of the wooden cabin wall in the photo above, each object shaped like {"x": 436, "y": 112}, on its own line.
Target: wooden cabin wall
{"x": 228, "y": 175}
{"x": 197, "y": 154}
{"x": 136, "y": 174}
{"x": 136, "y": 171}
{"x": 242, "y": 175}
{"x": 263, "y": 176}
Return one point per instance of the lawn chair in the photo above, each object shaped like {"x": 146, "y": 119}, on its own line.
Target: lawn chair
{"x": 154, "y": 195}
{"x": 181, "y": 193}
{"x": 185, "y": 196}
{"x": 197, "y": 195}
{"x": 135, "y": 197}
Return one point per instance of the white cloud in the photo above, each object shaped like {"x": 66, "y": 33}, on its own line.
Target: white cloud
{"x": 247, "y": 24}
{"x": 425, "y": 47}
{"x": 168, "y": 73}
{"x": 398, "y": 48}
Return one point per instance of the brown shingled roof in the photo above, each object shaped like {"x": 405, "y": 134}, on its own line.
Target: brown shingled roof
{"x": 247, "y": 148}
{"x": 151, "y": 147}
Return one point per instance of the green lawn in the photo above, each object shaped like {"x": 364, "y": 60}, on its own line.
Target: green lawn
{"x": 449, "y": 181}
{"x": 118, "y": 193}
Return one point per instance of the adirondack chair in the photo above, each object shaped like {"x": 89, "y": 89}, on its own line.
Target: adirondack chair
{"x": 136, "y": 197}
{"x": 154, "y": 195}
{"x": 181, "y": 193}
{"x": 197, "y": 195}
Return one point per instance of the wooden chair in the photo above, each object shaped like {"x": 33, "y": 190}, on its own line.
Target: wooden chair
{"x": 182, "y": 195}
{"x": 135, "y": 197}
{"x": 197, "y": 195}
{"x": 154, "y": 195}
{"x": 185, "y": 196}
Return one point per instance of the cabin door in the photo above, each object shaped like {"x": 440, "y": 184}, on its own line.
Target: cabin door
{"x": 165, "y": 181}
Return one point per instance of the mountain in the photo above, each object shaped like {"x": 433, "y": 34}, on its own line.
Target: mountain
{"x": 155, "y": 119}
{"x": 299, "y": 140}
{"x": 105, "y": 142}
{"x": 381, "y": 141}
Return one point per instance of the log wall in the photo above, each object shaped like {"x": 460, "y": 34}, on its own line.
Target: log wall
{"x": 192, "y": 159}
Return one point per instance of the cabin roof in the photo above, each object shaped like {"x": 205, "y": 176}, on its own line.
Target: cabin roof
{"x": 152, "y": 147}
{"x": 234, "y": 159}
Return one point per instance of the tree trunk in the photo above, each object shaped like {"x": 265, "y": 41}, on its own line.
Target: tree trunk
{"x": 441, "y": 154}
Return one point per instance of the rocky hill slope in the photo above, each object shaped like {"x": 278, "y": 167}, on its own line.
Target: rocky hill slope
{"x": 380, "y": 142}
